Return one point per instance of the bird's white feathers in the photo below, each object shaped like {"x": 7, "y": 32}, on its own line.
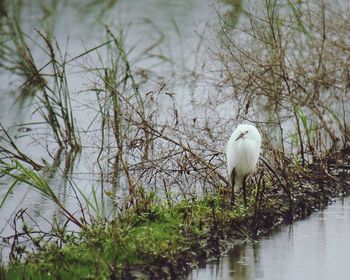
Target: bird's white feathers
{"x": 242, "y": 153}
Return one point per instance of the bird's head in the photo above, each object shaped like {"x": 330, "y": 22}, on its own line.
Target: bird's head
{"x": 241, "y": 135}
{"x": 247, "y": 131}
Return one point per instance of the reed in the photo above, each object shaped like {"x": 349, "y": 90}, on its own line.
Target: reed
{"x": 47, "y": 84}
{"x": 22, "y": 174}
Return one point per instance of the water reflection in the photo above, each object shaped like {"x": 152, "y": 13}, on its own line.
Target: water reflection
{"x": 315, "y": 248}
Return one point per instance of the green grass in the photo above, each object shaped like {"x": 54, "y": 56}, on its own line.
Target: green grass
{"x": 155, "y": 238}
{"x": 153, "y": 241}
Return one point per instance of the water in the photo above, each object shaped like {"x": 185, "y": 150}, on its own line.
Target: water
{"x": 79, "y": 26}
{"x": 317, "y": 248}
{"x": 170, "y": 26}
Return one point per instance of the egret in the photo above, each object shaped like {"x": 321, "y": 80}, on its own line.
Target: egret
{"x": 242, "y": 154}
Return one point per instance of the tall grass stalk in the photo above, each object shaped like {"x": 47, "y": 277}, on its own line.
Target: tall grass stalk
{"x": 48, "y": 83}
{"x": 22, "y": 174}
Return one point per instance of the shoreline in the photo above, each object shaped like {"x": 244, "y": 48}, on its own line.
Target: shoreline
{"x": 156, "y": 240}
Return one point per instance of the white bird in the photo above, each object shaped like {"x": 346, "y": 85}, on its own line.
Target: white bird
{"x": 242, "y": 154}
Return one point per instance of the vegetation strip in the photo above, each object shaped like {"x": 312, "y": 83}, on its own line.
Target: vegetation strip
{"x": 155, "y": 239}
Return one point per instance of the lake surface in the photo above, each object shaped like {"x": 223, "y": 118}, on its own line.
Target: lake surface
{"x": 317, "y": 248}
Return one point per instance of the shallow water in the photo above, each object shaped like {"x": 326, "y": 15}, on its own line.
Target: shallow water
{"x": 80, "y": 27}
{"x": 316, "y": 248}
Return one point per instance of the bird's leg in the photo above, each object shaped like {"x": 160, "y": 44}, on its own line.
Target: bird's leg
{"x": 244, "y": 191}
{"x": 232, "y": 182}
{"x": 233, "y": 196}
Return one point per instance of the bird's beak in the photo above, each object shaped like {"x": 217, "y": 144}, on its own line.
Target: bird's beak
{"x": 241, "y": 135}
